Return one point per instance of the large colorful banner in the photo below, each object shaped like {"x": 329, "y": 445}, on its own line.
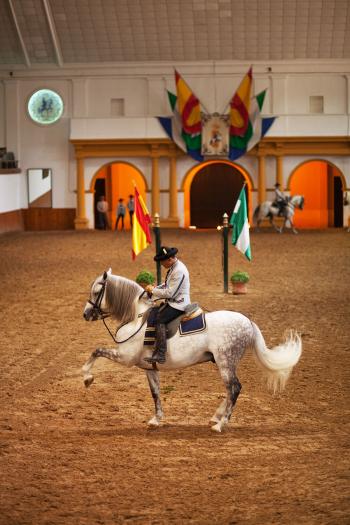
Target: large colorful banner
{"x": 202, "y": 135}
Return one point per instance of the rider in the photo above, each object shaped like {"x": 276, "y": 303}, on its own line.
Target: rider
{"x": 280, "y": 199}
{"x": 175, "y": 291}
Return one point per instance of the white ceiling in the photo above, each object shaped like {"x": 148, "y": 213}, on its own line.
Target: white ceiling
{"x": 65, "y": 32}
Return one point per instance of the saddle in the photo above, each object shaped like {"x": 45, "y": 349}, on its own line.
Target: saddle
{"x": 192, "y": 321}
{"x": 280, "y": 206}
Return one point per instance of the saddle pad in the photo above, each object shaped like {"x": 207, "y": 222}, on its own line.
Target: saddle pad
{"x": 192, "y": 326}
{"x": 187, "y": 327}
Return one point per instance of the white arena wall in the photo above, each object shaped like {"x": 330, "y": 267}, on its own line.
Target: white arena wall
{"x": 87, "y": 94}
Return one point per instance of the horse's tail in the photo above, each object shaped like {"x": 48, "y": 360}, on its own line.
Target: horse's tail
{"x": 256, "y": 214}
{"x": 277, "y": 363}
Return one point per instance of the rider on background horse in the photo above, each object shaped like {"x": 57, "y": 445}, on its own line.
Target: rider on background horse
{"x": 280, "y": 199}
{"x": 175, "y": 291}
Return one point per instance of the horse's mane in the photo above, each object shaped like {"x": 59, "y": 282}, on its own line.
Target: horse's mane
{"x": 120, "y": 297}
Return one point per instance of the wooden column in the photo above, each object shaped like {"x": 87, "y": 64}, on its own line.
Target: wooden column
{"x": 155, "y": 181}
{"x": 80, "y": 222}
{"x": 173, "y": 220}
{"x": 262, "y": 179}
{"x": 172, "y": 189}
{"x": 279, "y": 171}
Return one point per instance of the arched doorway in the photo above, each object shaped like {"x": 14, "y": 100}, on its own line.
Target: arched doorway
{"x": 212, "y": 190}
{"x": 116, "y": 181}
{"x": 322, "y": 185}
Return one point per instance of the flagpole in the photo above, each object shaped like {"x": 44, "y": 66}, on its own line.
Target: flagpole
{"x": 156, "y": 229}
{"x": 225, "y": 250}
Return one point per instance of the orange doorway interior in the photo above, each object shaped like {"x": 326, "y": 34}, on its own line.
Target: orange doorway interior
{"x": 116, "y": 181}
{"x": 321, "y": 184}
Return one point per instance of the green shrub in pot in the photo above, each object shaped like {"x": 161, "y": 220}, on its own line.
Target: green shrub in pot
{"x": 144, "y": 278}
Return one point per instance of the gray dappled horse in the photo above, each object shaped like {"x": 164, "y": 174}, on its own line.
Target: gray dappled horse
{"x": 268, "y": 210}
{"x": 226, "y": 337}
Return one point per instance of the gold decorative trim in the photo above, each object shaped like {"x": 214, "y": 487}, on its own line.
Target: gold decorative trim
{"x": 286, "y": 146}
{"x": 268, "y": 146}
{"x": 152, "y": 148}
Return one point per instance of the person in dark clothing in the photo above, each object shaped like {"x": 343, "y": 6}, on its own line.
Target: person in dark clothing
{"x": 131, "y": 208}
{"x": 120, "y": 214}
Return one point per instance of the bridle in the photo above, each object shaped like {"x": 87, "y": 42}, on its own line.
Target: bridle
{"x": 100, "y": 314}
{"x": 96, "y": 305}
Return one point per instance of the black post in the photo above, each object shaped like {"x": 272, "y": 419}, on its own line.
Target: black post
{"x": 156, "y": 229}
{"x": 225, "y": 250}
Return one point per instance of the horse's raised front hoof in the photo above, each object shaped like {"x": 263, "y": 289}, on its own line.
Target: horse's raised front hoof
{"x": 214, "y": 419}
{"x": 153, "y": 423}
{"x": 88, "y": 380}
{"x": 216, "y": 428}
{"x": 295, "y": 231}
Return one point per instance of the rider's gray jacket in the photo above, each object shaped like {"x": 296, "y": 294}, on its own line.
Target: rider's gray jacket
{"x": 279, "y": 195}
{"x": 176, "y": 288}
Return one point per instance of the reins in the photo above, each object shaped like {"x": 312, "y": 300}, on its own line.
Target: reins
{"x": 103, "y": 315}
{"x": 125, "y": 340}
{"x": 97, "y": 306}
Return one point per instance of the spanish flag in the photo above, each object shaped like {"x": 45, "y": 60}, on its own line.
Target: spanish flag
{"x": 141, "y": 236}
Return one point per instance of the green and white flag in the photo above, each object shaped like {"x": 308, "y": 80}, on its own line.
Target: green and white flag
{"x": 239, "y": 221}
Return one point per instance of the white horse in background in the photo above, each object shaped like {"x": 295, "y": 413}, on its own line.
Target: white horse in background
{"x": 268, "y": 210}
{"x": 226, "y": 337}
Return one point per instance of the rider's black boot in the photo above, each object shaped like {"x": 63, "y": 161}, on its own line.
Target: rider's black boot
{"x": 158, "y": 355}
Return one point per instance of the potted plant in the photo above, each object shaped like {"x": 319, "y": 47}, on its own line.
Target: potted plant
{"x": 238, "y": 281}
{"x": 144, "y": 278}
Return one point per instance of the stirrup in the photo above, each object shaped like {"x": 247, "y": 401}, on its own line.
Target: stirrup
{"x": 161, "y": 359}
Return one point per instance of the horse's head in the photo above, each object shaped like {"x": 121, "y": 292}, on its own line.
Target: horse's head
{"x": 114, "y": 296}
{"x": 298, "y": 201}
{"x": 95, "y": 306}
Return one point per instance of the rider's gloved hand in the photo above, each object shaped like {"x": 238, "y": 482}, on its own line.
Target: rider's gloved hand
{"x": 149, "y": 289}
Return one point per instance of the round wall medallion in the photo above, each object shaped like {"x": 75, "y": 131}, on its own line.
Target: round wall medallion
{"x": 45, "y": 106}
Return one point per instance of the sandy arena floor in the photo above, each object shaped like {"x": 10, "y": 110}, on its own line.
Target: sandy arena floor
{"x": 74, "y": 456}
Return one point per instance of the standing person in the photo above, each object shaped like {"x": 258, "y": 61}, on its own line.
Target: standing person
{"x": 131, "y": 208}
{"x": 280, "y": 198}
{"x": 120, "y": 213}
{"x": 102, "y": 213}
{"x": 175, "y": 291}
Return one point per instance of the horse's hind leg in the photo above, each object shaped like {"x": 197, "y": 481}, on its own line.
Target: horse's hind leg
{"x": 153, "y": 381}
{"x": 99, "y": 352}
{"x": 233, "y": 387}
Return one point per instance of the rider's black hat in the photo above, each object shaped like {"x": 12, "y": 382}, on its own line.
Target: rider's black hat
{"x": 277, "y": 185}
{"x": 165, "y": 253}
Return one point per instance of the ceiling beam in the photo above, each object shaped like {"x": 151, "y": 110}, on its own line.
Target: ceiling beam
{"x": 53, "y": 32}
{"x": 19, "y": 34}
